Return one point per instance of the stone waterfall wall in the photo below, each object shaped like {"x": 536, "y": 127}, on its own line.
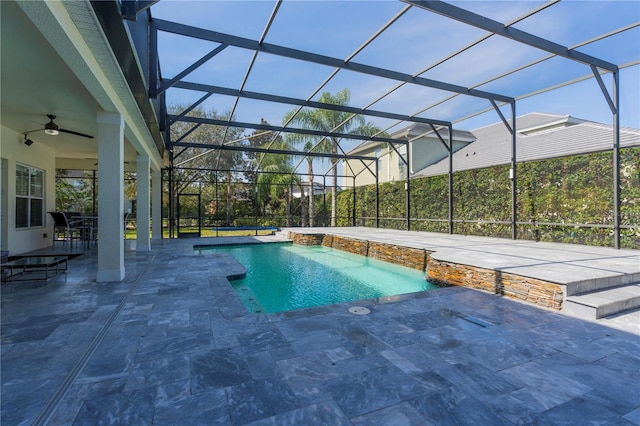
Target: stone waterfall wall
{"x": 406, "y": 256}
{"x": 537, "y": 292}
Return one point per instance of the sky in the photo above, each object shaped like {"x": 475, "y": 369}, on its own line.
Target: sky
{"x": 418, "y": 39}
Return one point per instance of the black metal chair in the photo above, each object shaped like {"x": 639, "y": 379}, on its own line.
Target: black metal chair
{"x": 66, "y": 229}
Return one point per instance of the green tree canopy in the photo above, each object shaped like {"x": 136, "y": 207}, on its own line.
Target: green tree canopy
{"x": 193, "y": 165}
{"x": 327, "y": 121}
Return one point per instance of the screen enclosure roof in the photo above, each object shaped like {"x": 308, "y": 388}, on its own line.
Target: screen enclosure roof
{"x": 462, "y": 64}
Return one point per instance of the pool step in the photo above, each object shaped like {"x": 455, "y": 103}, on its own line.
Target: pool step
{"x": 602, "y": 303}
{"x": 596, "y": 284}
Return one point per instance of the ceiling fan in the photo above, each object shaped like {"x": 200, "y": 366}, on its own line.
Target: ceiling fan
{"x": 53, "y": 129}
{"x": 96, "y": 162}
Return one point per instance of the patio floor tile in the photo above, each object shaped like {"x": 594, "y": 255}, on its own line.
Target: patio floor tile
{"x": 173, "y": 344}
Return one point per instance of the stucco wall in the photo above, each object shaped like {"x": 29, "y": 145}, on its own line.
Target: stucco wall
{"x": 13, "y": 149}
{"x": 424, "y": 152}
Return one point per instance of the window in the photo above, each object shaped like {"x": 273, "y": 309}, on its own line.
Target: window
{"x": 29, "y": 197}
{"x": 402, "y": 158}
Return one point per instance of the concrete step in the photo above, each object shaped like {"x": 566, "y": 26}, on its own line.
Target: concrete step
{"x": 588, "y": 286}
{"x": 628, "y": 321}
{"x": 602, "y": 303}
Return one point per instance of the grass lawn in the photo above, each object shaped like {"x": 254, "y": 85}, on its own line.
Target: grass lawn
{"x": 131, "y": 234}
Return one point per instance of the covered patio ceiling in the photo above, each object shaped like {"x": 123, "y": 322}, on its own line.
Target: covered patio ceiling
{"x": 45, "y": 69}
{"x": 403, "y": 62}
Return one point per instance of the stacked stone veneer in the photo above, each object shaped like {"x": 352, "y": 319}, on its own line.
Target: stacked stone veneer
{"x": 538, "y": 292}
{"x": 405, "y": 256}
{"x": 305, "y": 239}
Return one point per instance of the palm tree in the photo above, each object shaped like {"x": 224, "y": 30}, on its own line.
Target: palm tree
{"x": 327, "y": 121}
{"x": 303, "y": 203}
{"x": 312, "y": 213}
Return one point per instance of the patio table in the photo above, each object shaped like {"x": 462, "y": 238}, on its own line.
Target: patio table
{"x": 46, "y": 264}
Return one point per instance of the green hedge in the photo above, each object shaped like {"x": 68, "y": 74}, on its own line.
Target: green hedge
{"x": 573, "y": 190}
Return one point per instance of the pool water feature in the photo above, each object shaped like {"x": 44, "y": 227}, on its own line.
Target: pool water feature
{"x": 283, "y": 277}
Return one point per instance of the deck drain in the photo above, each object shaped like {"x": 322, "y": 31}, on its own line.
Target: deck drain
{"x": 477, "y": 321}
{"x": 359, "y": 310}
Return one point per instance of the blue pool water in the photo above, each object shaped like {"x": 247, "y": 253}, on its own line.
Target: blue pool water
{"x": 282, "y": 277}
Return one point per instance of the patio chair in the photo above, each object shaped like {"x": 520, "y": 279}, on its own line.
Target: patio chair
{"x": 72, "y": 216}
{"x": 66, "y": 229}
{"x": 77, "y": 220}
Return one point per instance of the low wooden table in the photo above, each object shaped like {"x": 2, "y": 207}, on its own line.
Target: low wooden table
{"x": 46, "y": 264}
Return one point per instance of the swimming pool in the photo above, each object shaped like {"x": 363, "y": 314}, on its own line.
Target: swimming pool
{"x": 283, "y": 277}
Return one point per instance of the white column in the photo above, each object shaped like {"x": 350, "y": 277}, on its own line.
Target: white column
{"x": 143, "y": 203}
{"x": 156, "y": 206}
{"x": 110, "y": 197}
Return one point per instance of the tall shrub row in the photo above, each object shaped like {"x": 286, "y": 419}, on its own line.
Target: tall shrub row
{"x": 556, "y": 198}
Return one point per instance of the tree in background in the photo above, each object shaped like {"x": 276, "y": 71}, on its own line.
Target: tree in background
{"x": 271, "y": 185}
{"x": 197, "y": 164}
{"x": 327, "y": 121}
{"x": 276, "y": 183}
{"x": 258, "y": 139}
{"x": 74, "y": 191}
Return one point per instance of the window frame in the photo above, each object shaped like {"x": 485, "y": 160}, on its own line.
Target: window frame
{"x": 402, "y": 157}
{"x": 29, "y": 194}
{"x": 378, "y": 154}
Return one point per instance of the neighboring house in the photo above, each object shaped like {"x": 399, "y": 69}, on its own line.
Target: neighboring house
{"x": 318, "y": 189}
{"x": 425, "y": 149}
{"x": 540, "y": 136}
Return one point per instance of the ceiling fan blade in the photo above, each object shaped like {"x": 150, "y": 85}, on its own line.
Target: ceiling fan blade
{"x": 96, "y": 163}
{"x": 75, "y": 133}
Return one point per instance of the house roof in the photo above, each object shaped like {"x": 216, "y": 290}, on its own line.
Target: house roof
{"x": 419, "y": 129}
{"x": 547, "y": 136}
{"x": 414, "y": 131}
{"x": 534, "y": 120}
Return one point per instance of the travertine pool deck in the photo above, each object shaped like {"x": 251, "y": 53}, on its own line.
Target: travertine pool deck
{"x": 172, "y": 344}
